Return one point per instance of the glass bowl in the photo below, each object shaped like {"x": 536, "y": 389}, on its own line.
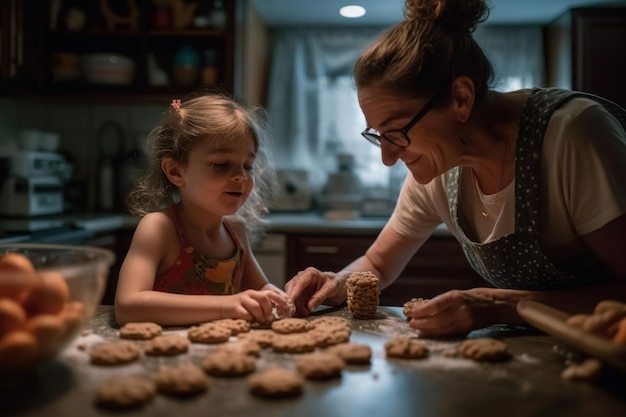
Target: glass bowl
{"x": 47, "y": 294}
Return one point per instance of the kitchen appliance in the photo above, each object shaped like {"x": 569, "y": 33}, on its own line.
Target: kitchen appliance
{"x": 34, "y": 185}
{"x": 294, "y": 190}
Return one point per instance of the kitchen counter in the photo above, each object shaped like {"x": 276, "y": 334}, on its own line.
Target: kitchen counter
{"x": 527, "y": 385}
{"x": 305, "y": 222}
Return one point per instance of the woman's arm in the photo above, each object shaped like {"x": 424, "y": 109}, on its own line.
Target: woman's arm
{"x": 386, "y": 259}
{"x": 458, "y": 312}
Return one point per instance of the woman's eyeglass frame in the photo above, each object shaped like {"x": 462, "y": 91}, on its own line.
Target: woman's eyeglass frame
{"x": 399, "y": 137}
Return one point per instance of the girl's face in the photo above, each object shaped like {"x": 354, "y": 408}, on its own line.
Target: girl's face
{"x": 219, "y": 178}
{"x": 434, "y": 142}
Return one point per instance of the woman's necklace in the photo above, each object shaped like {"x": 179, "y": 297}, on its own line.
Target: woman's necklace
{"x": 488, "y": 202}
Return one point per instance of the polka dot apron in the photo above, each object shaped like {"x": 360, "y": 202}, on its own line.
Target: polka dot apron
{"x": 516, "y": 261}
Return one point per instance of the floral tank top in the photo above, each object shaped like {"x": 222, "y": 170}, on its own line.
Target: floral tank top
{"x": 196, "y": 274}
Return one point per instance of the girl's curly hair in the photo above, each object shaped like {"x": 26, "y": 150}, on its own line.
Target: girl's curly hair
{"x": 214, "y": 116}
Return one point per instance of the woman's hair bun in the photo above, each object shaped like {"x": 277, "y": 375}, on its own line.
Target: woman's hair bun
{"x": 450, "y": 15}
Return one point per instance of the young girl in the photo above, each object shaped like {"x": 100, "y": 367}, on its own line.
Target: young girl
{"x": 190, "y": 259}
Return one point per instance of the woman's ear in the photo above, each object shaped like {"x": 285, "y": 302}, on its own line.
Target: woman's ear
{"x": 463, "y": 95}
{"x": 172, "y": 170}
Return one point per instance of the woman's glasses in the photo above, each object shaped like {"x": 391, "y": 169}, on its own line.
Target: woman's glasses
{"x": 399, "y": 137}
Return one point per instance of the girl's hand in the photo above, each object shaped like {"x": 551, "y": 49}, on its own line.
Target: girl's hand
{"x": 311, "y": 287}
{"x": 282, "y": 306}
{"x": 456, "y": 313}
{"x": 249, "y": 305}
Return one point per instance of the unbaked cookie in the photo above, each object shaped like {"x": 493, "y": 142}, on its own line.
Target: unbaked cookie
{"x": 114, "y": 353}
{"x": 294, "y": 343}
{"x": 484, "y": 349}
{"x": 181, "y": 380}
{"x": 127, "y": 391}
{"x": 247, "y": 347}
{"x": 408, "y": 306}
{"x": 167, "y": 345}
{"x": 363, "y": 294}
{"x": 332, "y": 321}
{"x": 263, "y": 337}
{"x": 291, "y": 325}
{"x": 328, "y": 335}
{"x": 140, "y": 330}
{"x": 320, "y": 366}
{"x": 352, "y": 353}
{"x": 236, "y": 326}
{"x": 228, "y": 364}
{"x": 405, "y": 347}
{"x": 209, "y": 333}
{"x": 276, "y": 383}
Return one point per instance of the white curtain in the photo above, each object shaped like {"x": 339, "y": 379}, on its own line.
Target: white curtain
{"x": 308, "y": 115}
{"x": 313, "y": 109}
{"x": 516, "y": 53}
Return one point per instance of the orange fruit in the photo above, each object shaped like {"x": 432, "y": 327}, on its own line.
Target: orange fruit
{"x": 12, "y": 316}
{"x": 49, "y": 294}
{"x": 15, "y": 262}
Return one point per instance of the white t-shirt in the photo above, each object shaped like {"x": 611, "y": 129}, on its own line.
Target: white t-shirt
{"x": 583, "y": 186}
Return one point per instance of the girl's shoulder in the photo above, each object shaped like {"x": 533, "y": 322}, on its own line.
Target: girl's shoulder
{"x": 238, "y": 226}
{"x": 156, "y": 224}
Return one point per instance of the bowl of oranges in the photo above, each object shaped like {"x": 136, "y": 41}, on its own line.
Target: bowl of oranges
{"x": 47, "y": 294}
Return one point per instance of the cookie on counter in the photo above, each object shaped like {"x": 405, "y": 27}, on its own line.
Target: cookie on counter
{"x": 140, "y": 330}
{"x": 114, "y": 353}
{"x": 294, "y": 343}
{"x": 167, "y": 345}
{"x": 484, "y": 349}
{"x": 228, "y": 364}
{"x": 292, "y": 325}
{"x": 276, "y": 383}
{"x": 320, "y": 365}
{"x": 352, "y": 353}
{"x": 406, "y": 347}
{"x": 209, "y": 333}
{"x": 125, "y": 391}
{"x": 182, "y": 380}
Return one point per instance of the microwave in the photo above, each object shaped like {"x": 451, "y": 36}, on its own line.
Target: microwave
{"x": 33, "y": 196}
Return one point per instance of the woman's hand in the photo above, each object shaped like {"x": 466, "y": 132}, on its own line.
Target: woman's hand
{"x": 311, "y": 287}
{"x": 458, "y": 312}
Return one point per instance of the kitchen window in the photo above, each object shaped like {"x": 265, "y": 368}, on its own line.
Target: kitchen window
{"x": 314, "y": 112}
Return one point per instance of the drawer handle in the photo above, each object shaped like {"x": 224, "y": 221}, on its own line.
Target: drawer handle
{"x": 322, "y": 249}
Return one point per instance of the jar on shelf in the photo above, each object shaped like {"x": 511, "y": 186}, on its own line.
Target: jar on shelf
{"x": 210, "y": 70}
{"x": 186, "y": 66}
{"x": 218, "y": 15}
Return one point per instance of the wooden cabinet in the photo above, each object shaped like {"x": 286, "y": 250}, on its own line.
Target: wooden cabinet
{"x": 585, "y": 51}
{"x": 438, "y": 266}
{"x": 170, "y": 44}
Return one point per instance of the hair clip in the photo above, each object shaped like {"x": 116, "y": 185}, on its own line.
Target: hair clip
{"x": 176, "y": 105}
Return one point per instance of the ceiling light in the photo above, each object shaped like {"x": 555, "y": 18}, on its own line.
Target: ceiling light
{"x": 352, "y": 11}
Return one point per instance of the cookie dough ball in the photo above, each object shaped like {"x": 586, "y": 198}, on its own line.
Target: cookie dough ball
{"x": 352, "y": 353}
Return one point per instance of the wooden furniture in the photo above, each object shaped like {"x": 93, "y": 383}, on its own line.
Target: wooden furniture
{"x": 585, "y": 51}
{"x": 438, "y": 266}
{"x": 44, "y": 42}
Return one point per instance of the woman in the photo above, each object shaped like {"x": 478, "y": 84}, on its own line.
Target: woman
{"x": 529, "y": 182}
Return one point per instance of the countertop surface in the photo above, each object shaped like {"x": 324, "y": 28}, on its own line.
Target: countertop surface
{"x": 12, "y": 230}
{"x": 527, "y": 385}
